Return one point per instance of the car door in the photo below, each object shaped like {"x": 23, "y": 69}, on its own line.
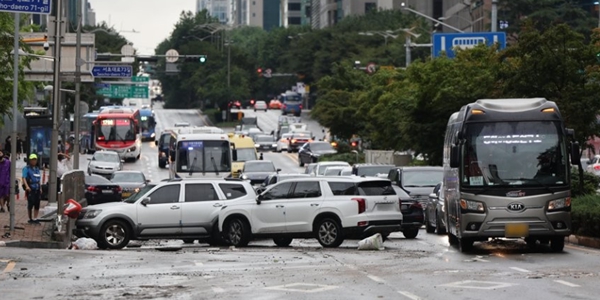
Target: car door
{"x": 269, "y": 215}
{"x": 200, "y": 205}
{"x": 304, "y": 153}
{"x": 161, "y": 216}
{"x": 302, "y": 206}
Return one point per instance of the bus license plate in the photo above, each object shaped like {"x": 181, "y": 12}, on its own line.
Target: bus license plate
{"x": 516, "y": 230}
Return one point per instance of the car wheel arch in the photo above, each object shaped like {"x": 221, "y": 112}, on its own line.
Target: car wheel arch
{"x": 240, "y": 216}
{"x": 325, "y": 215}
{"x": 123, "y": 219}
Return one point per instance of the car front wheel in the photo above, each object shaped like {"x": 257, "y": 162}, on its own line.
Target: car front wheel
{"x": 115, "y": 234}
{"x": 282, "y": 242}
{"x": 237, "y": 232}
{"x": 410, "y": 233}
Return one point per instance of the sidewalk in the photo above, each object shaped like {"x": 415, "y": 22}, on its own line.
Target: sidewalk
{"x": 24, "y": 232}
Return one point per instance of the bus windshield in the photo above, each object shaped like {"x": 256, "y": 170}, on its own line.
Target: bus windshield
{"x": 148, "y": 123}
{"x": 203, "y": 156}
{"x": 120, "y": 129}
{"x": 514, "y": 154}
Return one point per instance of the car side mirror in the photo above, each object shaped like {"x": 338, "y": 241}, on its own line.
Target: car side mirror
{"x": 145, "y": 201}
{"x": 156, "y": 143}
{"x": 122, "y": 160}
{"x": 258, "y": 199}
{"x": 147, "y": 180}
{"x": 432, "y": 196}
{"x": 575, "y": 156}
{"x": 454, "y": 156}
{"x": 278, "y": 170}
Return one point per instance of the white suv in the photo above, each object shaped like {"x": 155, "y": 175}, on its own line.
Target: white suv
{"x": 173, "y": 209}
{"x": 329, "y": 209}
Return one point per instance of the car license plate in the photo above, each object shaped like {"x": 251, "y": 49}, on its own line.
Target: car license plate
{"x": 125, "y": 195}
{"x": 404, "y": 207}
{"x": 107, "y": 191}
{"x": 516, "y": 230}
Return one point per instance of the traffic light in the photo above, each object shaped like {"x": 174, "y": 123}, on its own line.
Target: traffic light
{"x": 598, "y": 57}
{"x": 354, "y": 144}
{"x": 202, "y": 58}
{"x": 259, "y": 71}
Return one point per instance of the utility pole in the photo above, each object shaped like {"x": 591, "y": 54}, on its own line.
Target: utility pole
{"x": 13, "y": 145}
{"x": 56, "y": 105}
{"x": 77, "y": 127}
{"x": 494, "y": 15}
{"x": 407, "y": 45}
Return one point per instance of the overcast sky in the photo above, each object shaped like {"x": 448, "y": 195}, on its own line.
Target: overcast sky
{"x": 154, "y": 19}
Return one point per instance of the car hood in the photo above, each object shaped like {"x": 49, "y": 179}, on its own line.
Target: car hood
{"x": 322, "y": 152}
{"x": 266, "y": 143}
{"x": 105, "y": 206}
{"x": 420, "y": 192}
{"x": 258, "y": 175}
{"x": 130, "y": 185}
{"x": 103, "y": 164}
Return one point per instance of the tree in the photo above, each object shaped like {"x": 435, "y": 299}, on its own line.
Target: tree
{"x": 559, "y": 65}
{"x": 6, "y": 60}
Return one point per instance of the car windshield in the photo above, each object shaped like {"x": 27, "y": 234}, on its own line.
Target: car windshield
{"x": 332, "y": 171}
{"x": 96, "y": 180}
{"x": 244, "y": 154}
{"x": 515, "y": 154}
{"x": 373, "y": 170}
{"x": 346, "y": 172}
{"x": 264, "y": 139}
{"x": 323, "y": 168}
{"x": 128, "y": 177}
{"x": 259, "y": 167}
{"x": 321, "y": 147}
{"x": 106, "y": 157}
{"x": 421, "y": 178}
{"x": 165, "y": 139}
{"x": 116, "y": 130}
{"x": 203, "y": 156}
{"x": 135, "y": 196}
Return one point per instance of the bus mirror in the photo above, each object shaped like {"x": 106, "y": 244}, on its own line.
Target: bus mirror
{"x": 575, "y": 158}
{"x": 156, "y": 143}
{"x": 454, "y": 156}
{"x": 234, "y": 154}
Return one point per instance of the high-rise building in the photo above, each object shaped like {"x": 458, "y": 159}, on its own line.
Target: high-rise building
{"x": 266, "y": 14}
{"x": 90, "y": 16}
{"x": 293, "y": 12}
{"x": 468, "y": 16}
{"x": 223, "y": 10}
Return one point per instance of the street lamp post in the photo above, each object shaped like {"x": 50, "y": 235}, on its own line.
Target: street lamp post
{"x": 77, "y": 118}
{"x": 494, "y": 15}
{"x": 52, "y": 189}
{"x": 405, "y": 7}
{"x": 13, "y": 146}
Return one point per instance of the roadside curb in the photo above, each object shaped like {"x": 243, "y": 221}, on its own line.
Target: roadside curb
{"x": 33, "y": 244}
{"x": 584, "y": 241}
{"x": 205, "y": 119}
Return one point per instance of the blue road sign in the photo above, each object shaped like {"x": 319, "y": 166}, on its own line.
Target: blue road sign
{"x": 112, "y": 71}
{"x": 449, "y": 41}
{"x": 28, "y": 7}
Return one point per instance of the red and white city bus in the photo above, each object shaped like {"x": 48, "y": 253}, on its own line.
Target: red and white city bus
{"x": 119, "y": 130}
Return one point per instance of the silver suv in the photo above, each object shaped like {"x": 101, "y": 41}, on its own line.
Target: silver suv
{"x": 174, "y": 209}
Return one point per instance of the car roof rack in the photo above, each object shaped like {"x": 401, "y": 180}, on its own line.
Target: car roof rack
{"x": 233, "y": 179}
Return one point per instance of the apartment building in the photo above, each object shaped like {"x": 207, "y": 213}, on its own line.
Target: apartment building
{"x": 220, "y": 9}
{"x": 295, "y": 12}
{"x": 467, "y": 15}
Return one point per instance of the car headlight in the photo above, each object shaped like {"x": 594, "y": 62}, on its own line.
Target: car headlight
{"x": 256, "y": 145}
{"x": 90, "y": 214}
{"x": 274, "y": 145}
{"x": 244, "y": 177}
{"x": 152, "y": 135}
{"x": 471, "y": 206}
{"x": 559, "y": 204}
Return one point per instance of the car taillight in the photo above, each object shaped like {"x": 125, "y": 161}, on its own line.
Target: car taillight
{"x": 93, "y": 188}
{"x": 293, "y": 141}
{"x": 362, "y": 204}
{"x": 300, "y": 106}
{"x": 118, "y": 189}
{"x": 597, "y": 167}
{"x": 416, "y": 205}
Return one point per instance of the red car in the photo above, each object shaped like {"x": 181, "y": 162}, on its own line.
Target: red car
{"x": 274, "y": 104}
{"x": 235, "y": 104}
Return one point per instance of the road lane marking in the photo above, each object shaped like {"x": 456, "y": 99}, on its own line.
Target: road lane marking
{"x": 198, "y": 263}
{"x": 375, "y": 278}
{"x": 566, "y": 283}
{"x": 303, "y": 287}
{"x": 352, "y": 267}
{"x": 520, "y": 270}
{"x": 479, "y": 285}
{"x": 9, "y": 267}
{"x": 409, "y": 295}
{"x": 218, "y": 290}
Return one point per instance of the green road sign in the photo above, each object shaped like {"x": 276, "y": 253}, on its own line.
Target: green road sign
{"x": 140, "y": 79}
{"x": 123, "y": 91}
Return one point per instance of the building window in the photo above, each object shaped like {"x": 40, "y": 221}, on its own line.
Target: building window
{"x": 294, "y": 21}
{"x": 370, "y": 6}
{"x": 294, "y": 6}
{"x": 253, "y": 2}
{"x": 308, "y": 11}
{"x": 253, "y": 15}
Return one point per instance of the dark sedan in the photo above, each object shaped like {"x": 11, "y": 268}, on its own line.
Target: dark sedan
{"x": 100, "y": 190}
{"x": 256, "y": 171}
{"x": 264, "y": 142}
{"x": 434, "y": 214}
{"x": 130, "y": 181}
{"x": 312, "y": 151}
{"x": 412, "y": 214}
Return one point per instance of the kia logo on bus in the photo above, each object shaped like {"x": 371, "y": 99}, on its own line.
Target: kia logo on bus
{"x": 516, "y": 206}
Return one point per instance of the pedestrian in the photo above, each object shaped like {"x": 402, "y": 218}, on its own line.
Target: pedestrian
{"x": 63, "y": 166}
{"x": 19, "y": 147}
{"x": 7, "y": 144}
{"x": 32, "y": 178}
{"x": 4, "y": 182}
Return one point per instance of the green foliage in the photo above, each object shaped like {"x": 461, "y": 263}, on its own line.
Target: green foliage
{"x": 585, "y": 215}
{"x": 591, "y": 183}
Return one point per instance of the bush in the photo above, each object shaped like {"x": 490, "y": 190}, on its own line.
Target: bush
{"x": 347, "y": 157}
{"x": 585, "y": 215}
{"x": 590, "y": 183}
